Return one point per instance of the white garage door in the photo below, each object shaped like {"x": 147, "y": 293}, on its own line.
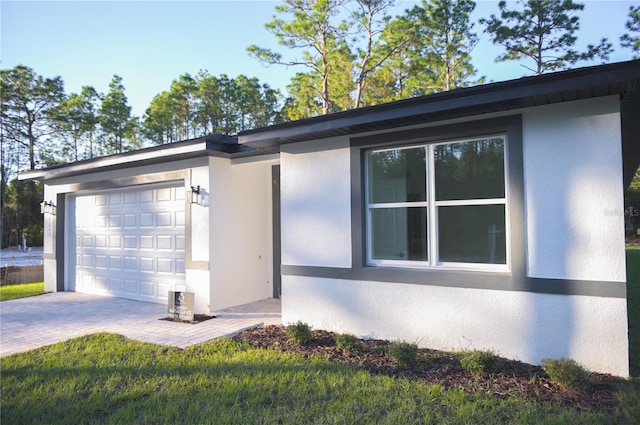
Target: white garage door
{"x": 130, "y": 243}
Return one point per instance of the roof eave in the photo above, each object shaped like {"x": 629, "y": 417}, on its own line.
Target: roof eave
{"x": 217, "y": 146}
{"x": 528, "y": 91}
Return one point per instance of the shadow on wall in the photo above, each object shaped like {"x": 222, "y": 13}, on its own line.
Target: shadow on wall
{"x": 551, "y": 322}
{"x": 576, "y": 231}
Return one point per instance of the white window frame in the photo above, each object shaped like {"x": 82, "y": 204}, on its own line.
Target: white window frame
{"x": 432, "y": 212}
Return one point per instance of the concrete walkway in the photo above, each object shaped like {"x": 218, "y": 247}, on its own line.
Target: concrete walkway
{"x": 33, "y": 322}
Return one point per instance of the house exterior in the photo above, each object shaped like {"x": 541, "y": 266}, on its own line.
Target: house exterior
{"x": 489, "y": 217}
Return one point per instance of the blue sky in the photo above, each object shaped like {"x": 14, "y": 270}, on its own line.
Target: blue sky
{"x": 151, "y": 43}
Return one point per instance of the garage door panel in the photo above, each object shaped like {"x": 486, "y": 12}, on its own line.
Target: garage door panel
{"x": 100, "y": 222}
{"x": 115, "y": 221}
{"x": 180, "y": 266}
{"x": 165, "y": 265}
{"x": 146, "y": 220}
{"x": 101, "y": 241}
{"x": 146, "y": 242}
{"x": 164, "y": 242}
{"x": 179, "y": 220}
{"x": 131, "y": 287}
{"x": 131, "y": 264}
{"x": 115, "y": 241}
{"x": 131, "y": 243}
{"x": 100, "y": 283}
{"x": 101, "y": 262}
{"x": 87, "y": 241}
{"x": 87, "y": 261}
{"x": 145, "y": 196}
{"x": 163, "y": 219}
{"x": 99, "y": 200}
{"x": 164, "y": 195}
{"x": 147, "y": 264}
{"x": 147, "y": 288}
{"x": 130, "y": 221}
{"x": 130, "y": 198}
{"x": 115, "y": 284}
{"x": 115, "y": 198}
{"x": 115, "y": 262}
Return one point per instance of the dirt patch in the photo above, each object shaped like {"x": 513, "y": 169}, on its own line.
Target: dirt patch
{"x": 509, "y": 378}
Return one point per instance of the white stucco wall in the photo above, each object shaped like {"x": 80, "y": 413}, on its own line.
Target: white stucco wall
{"x": 230, "y": 227}
{"x": 196, "y": 280}
{"x": 240, "y": 232}
{"x": 200, "y": 214}
{"x": 49, "y": 240}
{"x": 517, "y": 325}
{"x": 574, "y": 191}
{"x": 574, "y": 230}
{"x": 316, "y": 209}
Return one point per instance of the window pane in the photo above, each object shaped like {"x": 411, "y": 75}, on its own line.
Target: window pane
{"x": 397, "y": 175}
{"x": 399, "y": 234}
{"x": 472, "y": 234}
{"x": 470, "y": 170}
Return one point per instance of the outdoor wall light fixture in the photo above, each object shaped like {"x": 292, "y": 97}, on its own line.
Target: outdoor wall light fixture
{"x": 47, "y": 207}
{"x": 195, "y": 194}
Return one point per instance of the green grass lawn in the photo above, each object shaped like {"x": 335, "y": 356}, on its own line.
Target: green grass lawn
{"x": 11, "y": 292}
{"x": 106, "y": 378}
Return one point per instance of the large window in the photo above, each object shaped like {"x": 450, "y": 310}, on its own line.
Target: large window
{"x": 438, "y": 205}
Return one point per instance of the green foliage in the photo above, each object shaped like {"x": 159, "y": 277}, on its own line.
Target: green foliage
{"x": 299, "y": 333}
{"x": 441, "y": 46}
{"x": 115, "y": 119}
{"x": 478, "y": 362}
{"x": 405, "y": 353}
{"x": 76, "y": 123}
{"x": 341, "y": 44}
{"x": 392, "y": 80}
{"x": 34, "y": 234}
{"x": 378, "y": 60}
{"x": 370, "y": 19}
{"x": 631, "y": 40}
{"x": 566, "y": 373}
{"x": 27, "y": 99}
{"x": 106, "y": 378}
{"x": 629, "y": 402}
{"x": 632, "y": 205}
{"x": 195, "y": 107}
{"x": 542, "y": 31}
{"x": 21, "y": 216}
{"x": 23, "y": 290}
{"x": 349, "y": 342}
{"x": 633, "y": 310}
{"x": 303, "y": 101}
{"x": 319, "y": 31}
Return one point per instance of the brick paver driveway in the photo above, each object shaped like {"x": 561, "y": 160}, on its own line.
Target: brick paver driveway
{"x": 33, "y": 322}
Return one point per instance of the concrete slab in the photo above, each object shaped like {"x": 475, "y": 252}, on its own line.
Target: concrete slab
{"x": 33, "y": 322}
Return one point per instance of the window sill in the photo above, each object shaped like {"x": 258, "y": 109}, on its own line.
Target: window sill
{"x": 445, "y": 267}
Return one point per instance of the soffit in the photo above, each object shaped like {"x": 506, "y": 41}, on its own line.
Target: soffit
{"x": 583, "y": 83}
{"x": 614, "y": 79}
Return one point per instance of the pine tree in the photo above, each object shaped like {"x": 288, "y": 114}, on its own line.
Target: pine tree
{"x": 542, "y": 31}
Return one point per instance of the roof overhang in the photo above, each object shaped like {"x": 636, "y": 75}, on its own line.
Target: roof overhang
{"x": 584, "y": 83}
{"x": 217, "y": 145}
{"x": 622, "y": 79}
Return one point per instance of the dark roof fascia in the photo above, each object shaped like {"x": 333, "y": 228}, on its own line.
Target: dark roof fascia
{"x": 217, "y": 146}
{"x": 582, "y": 83}
{"x": 537, "y": 90}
